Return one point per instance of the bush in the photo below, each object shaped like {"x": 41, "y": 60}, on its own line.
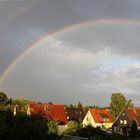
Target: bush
{"x": 53, "y": 129}
{"x": 72, "y": 128}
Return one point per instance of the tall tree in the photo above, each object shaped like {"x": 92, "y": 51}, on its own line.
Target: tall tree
{"x": 71, "y": 106}
{"x": 118, "y": 102}
{"x": 80, "y": 105}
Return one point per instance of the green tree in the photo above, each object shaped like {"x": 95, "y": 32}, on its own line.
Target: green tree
{"x": 118, "y": 102}
{"x": 3, "y": 98}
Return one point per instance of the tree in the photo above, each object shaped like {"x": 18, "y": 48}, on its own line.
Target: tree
{"x": 23, "y": 127}
{"x": 133, "y": 129}
{"x": 3, "y": 98}
{"x": 80, "y": 105}
{"x": 71, "y": 106}
{"x": 118, "y": 102}
{"x": 129, "y": 104}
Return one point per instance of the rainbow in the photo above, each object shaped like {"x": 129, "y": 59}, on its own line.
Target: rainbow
{"x": 63, "y": 30}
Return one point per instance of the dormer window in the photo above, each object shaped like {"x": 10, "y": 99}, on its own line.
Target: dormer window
{"x": 46, "y": 109}
{"x": 68, "y": 117}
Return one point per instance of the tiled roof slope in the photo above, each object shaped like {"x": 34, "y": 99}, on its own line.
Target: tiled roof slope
{"x": 50, "y": 111}
{"x": 101, "y": 115}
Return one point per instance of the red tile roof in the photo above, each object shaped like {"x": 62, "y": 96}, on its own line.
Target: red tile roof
{"x": 101, "y": 115}
{"x": 50, "y": 111}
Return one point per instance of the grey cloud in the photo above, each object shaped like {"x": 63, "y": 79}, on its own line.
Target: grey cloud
{"x": 72, "y": 69}
{"x": 58, "y": 75}
{"x": 64, "y": 75}
{"x": 122, "y": 38}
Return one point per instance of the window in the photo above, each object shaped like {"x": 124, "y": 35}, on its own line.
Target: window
{"x": 46, "y": 109}
{"x": 105, "y": 119}
{"x": 125, "y": 121}
{"x": 121, "y": 121}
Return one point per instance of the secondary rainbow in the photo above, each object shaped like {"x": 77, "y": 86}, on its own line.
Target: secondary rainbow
{"x": 63, "y": 30}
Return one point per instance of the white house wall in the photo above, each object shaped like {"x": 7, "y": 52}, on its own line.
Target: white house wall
{"x": 90, "y": 120}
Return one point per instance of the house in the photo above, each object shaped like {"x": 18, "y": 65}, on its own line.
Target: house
{"x": 54, "y": 112}
{"x": 123, "y": 122}
{"x": 98, "y": 118}
{"x": 74, "y": 114}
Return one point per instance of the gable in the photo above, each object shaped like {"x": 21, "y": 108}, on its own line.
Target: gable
{"x": 122, "y": 119}
{"x": 127, "y": 116}
{"x": 88, "y": 120}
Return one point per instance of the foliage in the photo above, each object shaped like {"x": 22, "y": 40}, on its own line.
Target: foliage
{"x": 91, "y": 133}
{"x": 6, "y": 103}
{"x": 53, "y": 128}
{"x": 23, "y": 127}
{"x": 72, "y": 128}
{"x": 116, "y": 136}
{"x": 71, "y": 106}
{"x": 129, "y": 104}
{"x": 21, "y": 104}
{"x": 32, "y": 128}
{"x": 35, "y": 127}
{"x": 3, "y": 98}
{"x": 133, "y": 130}
{"x": 85, "y": 109}
{"x": 118, "y": 102}
{"x": 80, "y": 105}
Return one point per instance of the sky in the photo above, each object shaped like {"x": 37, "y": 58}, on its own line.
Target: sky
{"x": 66, "y": 51}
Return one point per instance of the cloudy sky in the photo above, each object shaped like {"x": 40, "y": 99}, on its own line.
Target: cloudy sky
{"x": 67, "y": 51}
